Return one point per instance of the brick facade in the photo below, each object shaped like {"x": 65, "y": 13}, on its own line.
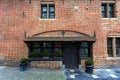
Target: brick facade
{"x": 20, "y": 19}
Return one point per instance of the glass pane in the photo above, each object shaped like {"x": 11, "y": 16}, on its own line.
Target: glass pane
{"x": 111, "y": 10}
{"x": 104, "y": 15}
{"x": 103, "y": 10}
{"x": 109, "y": 42}
{"x": 37, "y": 50}
{"x": 51, "y": 9}
{"x": 57, "y": 45}
{"x": 84, "y": 52}
{"x": 51, "y": 15}
{"x": 46, "y": 44}
{"x": 47, "y": 50}
{"x": 57, "y": 50}
{"x": 111, "y": 15}
{"x": 44, "y": 8}
{"x": 84, "y": 44}
{"x": 111, "y": 7}
{"x": 110, "y": 52}
{"x": 118, "y": 47}
{"x": 109, "y": 46}
{"x": 44, "y": 15}
{"x": 36, "y": 44}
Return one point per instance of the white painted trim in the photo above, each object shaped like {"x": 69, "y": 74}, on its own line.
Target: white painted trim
{"x": 46, "y": 19}
{"x": 113, "y": 58}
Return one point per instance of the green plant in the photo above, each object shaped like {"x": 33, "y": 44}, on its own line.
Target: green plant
{"x": 23, "y": 60}
{"x": 89, "y": 61}
{"x": 34, "y": 54}
{"x": 58, "y": 54}
{"x": 45, "y": 54}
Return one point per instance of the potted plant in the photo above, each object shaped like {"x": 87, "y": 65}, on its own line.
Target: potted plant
{"x": 45, "y": 54}
{"x": 58, "y": 54}
{"x": 89, "y": 66}
{"x": 34, "y": 54}
{"x": 23, "y": 64}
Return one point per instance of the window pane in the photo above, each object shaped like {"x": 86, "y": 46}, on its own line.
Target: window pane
{"x": 111, "y": 10}
{"x": 51, "y": 9}
{"x": 37, "y": 50}
{"x": 44, "y": 15}
{"x": 104, "y": 12}
{"x": 44, "y": 11}
{"x": 47, "y": 50}
{"x": 57, "y": 50}
{"x": 118, "y": 47}
{"x": 111, "y": 7}
{"x": 84, "y": 44}
{"x": 51, "y": 15}
{"x": 44, "y": 8}
{"x": 57, "y": 45}
{"x": 84, "y": 52}
{"x": 111, "y": 15}
{"x": 46, "y": 44}
{"x": 109, "y": 47}
{"x": 36, "y": 44}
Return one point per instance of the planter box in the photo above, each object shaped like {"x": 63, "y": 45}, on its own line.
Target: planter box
{"x": 23, "y": 66}
{"x": 45, "y": 57}
{"x": 89, "y": 69}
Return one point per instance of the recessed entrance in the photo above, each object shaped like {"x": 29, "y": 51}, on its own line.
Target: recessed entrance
{"x": 70, "y": 51}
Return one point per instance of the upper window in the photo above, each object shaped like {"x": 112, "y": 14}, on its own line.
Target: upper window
{"x": 47, "y": 11}
{"x": 108, "y": 10}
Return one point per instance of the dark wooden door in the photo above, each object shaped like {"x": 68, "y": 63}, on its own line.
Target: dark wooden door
{"x": 70, "y": 55}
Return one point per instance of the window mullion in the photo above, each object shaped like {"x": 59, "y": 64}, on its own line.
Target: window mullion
{"x": 114, "y": 46}
{"x": 47, "y": 10}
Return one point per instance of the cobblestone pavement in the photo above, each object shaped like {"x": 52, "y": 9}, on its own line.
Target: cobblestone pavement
{"x": 99, "y": 74}
{"x": 13, "y": 73}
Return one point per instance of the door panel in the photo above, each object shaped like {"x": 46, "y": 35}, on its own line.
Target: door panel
{"x": 70, "y": 55}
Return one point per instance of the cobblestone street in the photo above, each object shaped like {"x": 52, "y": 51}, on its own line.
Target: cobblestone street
{"x": 99, "y": 74}
{"x": 13, "y": 73}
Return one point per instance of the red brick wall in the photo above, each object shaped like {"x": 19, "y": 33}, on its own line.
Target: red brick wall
{"x": 86, "y": 19}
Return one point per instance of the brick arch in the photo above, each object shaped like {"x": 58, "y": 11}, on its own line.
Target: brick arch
{"x": 59, "y": 33}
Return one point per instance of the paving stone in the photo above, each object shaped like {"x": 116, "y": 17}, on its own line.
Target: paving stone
{"x": 99, "y": 74}
{"x": 13, "y": 73}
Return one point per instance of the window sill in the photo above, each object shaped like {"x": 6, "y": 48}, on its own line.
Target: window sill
{"x": 46, "y": 19}
{"x": 113, "y": 58}
{"x": 109, "y": 18}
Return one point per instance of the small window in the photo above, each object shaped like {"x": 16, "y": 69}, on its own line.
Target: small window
{"x": 118, "y": 47}
{"x": 108, "y": 10}
{"x": 109, "y": 47}
{"x": 83, "y": 50}
{"x": 47, "y": 11}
